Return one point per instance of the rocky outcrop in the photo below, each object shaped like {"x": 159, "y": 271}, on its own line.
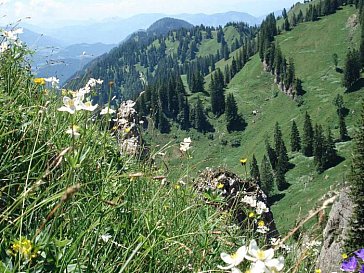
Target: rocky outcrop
{"x": 335, "y": 233}
{"x": 240, "y": 195}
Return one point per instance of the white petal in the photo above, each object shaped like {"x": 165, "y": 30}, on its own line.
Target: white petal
{"x": 241, "y": 253}
{"x": 258, "y": 267}
{"x": 276, "y": 264}
{"x": 253, "y": 248}
{"x": 269, "y": 254}
{"x": 66, "y": 109}
{"x": 227, "y": 258}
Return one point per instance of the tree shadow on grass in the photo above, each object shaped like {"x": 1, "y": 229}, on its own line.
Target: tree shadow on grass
{"x": 275, "y": 198}
{"x": 356, "y": 86}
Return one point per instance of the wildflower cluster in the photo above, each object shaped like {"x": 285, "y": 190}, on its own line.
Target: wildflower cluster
{"x": 185, "y": 145}
{"x": 259, "y": 208}
{"x": 355, "y": 263}
{"x": 76, "y": 101}
{"x": 312, "y": 247}
{"x": 9, "y": 39}
{"x": 260, "y": 261}
{"x": 126, "y": 124}
{"x": 24, "y": 248}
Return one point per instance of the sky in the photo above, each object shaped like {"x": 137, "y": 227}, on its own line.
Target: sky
{"x": 48, "y": 12}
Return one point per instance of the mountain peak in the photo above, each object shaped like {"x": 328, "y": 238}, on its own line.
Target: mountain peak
{"x": 166, "y": 24}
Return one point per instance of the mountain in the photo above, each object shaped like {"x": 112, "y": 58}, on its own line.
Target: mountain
{"x": 114, "y": 30}
{"x": 164, "y": 25}
{"x": 299, "y": 54}
{"x": 219, "y": 19}
{"x": 52, "y": 57}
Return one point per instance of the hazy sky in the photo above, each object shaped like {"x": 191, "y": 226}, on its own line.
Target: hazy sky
{"x": 47, "y": 12}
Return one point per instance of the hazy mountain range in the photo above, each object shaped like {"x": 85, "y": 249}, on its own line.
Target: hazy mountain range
{"x": 114, "y": 30}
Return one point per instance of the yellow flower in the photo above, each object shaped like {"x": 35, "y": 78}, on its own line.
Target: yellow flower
{"x": 261, "y": 223}
{"x": 177, "y": 187}
{"x": 344, "y": 256}
{"x": 243, "y": 161}
{"x": 24, "y": 247}
{"x": 318, "y": 270}
{"x": 127, "y": 130}
{"x": 220, "y": 186}
{"x": 251, "y": 214}
{"x": 39, "y": 81}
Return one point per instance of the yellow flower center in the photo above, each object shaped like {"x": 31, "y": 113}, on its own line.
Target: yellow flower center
{"x": 220, "y": 186}
{"x": 318, "y": 271}
{"x": 251, "y": 214}
{"x": 261, "y": 223}
{"x": 39, "y": 81}
{"x": 344, "y": 256}
{"x": 261, "y": 255}
{"x": 234, "y": 256}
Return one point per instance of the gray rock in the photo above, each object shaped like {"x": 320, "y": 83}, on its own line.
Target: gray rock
{"x": 335, "y": 233}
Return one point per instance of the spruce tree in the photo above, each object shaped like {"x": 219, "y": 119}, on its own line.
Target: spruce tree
{"x": 254, "y": 171}
{"x": 231, "y": 113}
{"x": 356, "y": 238}
{"x": 351, "y": 69}
{"x": 295, "y": 138}
{"x": 272, "y": 155}
{"x": 266, "y": 177}
{"x": 217, "y": 93}
{"x": 330, "y": 154}
{"x": 342, "y": 129}
{"x": 319, "y": 149}
{"x": 280, "y": 149}
{"x": 307, "y": 138}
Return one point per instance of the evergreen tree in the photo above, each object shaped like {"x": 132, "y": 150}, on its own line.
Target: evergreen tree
{"x": 351, "y": 69}
{"x": 307, "y": 138}
{"x": 217, "y": 93}
{"x": 281, "y": 150}
{"x": 319, "y": 149}
{"x": 356, "y": 238}
{"x": 254, "y": 171}
{"x": 234, "y": 121}
{"x": 280, "y": 177}
{"x": 266, "y": 177}
{"x": 295, "y": 138}
{"x": 330, "y": 154}
{"x": 272, "y": 155}
{"x": 342, "y": 129}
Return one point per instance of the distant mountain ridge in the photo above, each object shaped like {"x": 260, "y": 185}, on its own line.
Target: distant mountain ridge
{"x": 166, "y": 24}
{"x": 115, "y": 30}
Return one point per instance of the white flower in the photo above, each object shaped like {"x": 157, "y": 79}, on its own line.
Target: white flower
{"x": 250, "y": 200}
{"x": 53, "y": 80}
{"x": 261, "y": 207}
{"x": 185, "y": 145}
{"x": 71, "y": 105}
{"x": 74, "y": 131}
{"x": 106, "y": 237}
{"x": 234, "y": 259}
{"x": 12, "y": 35}
{"x": 107, "y": 110}
{"x": 88, "y": 106}
{"x": 4, "y": 46}
{"x": 263, "y": 259}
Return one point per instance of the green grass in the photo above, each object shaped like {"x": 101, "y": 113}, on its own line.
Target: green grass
{"x": 311, "y": 45}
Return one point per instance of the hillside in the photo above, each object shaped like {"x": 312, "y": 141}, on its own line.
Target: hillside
{"x": 311, "y": 45}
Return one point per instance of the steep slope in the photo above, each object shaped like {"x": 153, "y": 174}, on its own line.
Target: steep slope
{"x": 311, "y": 45}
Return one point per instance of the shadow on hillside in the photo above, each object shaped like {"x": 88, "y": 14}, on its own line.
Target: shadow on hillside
{"x": 290, "y": 166}
{"x": 339, "y": 70}
{"x": 356, "y": 86}
{"x": 335, "y": 162}
{"x": 275, "y": 198}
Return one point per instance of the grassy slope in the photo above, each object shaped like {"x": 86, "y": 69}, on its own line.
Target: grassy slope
{"x": 311, "y": 45}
